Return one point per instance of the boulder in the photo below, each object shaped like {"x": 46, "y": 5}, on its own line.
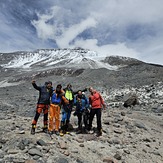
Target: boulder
{"x": 132, "y": 100}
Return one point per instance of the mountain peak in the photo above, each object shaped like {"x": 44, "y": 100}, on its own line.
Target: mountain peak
{"x": 121, "y": 61}
{"x": 55, "y": 58}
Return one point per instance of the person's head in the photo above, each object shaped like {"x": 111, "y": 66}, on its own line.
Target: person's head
{"x": 79, "y": 94}
{"x": 58, "y": 88}
{"x": 90, "y": 89}
{"x": 48, "y": 84}
{"x": 69, "y": 86}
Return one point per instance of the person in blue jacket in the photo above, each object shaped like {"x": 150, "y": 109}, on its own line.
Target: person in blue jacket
{"x": 67, "y": 108}
{"x": 82, "y": 111}
{"x": 57, "y": 100}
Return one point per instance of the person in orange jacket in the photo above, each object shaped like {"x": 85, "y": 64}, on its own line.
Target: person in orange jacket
{"x": 97, "y": 103}
{"x": 57, "y": 100}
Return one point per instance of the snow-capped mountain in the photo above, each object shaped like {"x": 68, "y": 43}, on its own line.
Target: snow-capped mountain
{"x": 57, "y": 58}
{"x": 79, "y": 66}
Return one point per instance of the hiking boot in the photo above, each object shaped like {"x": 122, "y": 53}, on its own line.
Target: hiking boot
{"x": 91, "y": 131}
{"x": 62, "y": 132}
{"x": 86, "y": 131}
{"x": 57, "y": 133}
{"x": 32, "y": 131}
{"x": 99, "y": 133}
{"x": 45, "y": 130}
{"x": 79, "y": 132}
{"x": 51, "y": 132}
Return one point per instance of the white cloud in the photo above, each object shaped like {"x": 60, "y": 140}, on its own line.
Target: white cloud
{"x": 44, "y": 29}
{"x": 132, "y": 28}
{"x": 72, "y": 32}
{"x": 156, "y": 58}
{"x": 119, "y": 49}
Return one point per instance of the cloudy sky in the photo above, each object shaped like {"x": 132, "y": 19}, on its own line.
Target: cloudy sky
{"x": 132, "y": 28}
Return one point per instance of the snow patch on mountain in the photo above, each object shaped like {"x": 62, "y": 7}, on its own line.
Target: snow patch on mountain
{"x": 76, "y": 58}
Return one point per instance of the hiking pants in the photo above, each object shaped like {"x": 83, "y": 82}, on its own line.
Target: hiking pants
{"x": 83, "y": 117}
{"x": 39, "y": 109}
{"x": 98, "y": 116}
{"x": 54, "y": 117}
{"x": 86, "y": 119}
{"x": 66, "y": 114}
{"x": 79, "y": 115}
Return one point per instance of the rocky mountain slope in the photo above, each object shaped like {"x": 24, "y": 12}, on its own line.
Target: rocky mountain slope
{"x": 113, "y": 71}
{"x": 132, "y": 134}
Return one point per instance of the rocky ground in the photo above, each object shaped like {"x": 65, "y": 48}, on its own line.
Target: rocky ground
{"x": 130, "y": 135}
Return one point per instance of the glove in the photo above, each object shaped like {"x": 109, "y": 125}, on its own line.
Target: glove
{"x": 33, "y": 81}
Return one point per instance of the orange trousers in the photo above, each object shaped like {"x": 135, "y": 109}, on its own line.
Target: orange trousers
{"x": 54, "y": 117}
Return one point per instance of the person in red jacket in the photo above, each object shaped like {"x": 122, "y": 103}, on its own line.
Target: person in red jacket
{"x": 97, "y": 103}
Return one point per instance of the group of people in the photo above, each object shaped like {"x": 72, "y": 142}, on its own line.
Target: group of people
{"x": 52, "y": 102}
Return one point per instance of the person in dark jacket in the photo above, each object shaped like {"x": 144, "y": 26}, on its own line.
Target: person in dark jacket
{"x": 81, "y": 103}
{"x": 45, "y": 92}
{"x": 67, "y": 109}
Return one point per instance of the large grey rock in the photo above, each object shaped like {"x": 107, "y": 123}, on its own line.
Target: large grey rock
{"x": 132, "y": 100}
{"x": 41, "y": 142}
{"x": 34, "y": 152}
{"x": 140, "y": 125}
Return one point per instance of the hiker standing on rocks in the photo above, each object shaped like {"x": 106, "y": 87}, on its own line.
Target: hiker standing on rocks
{"x": 57, "y": 100}
{"x": 82, "y": 112}
{"x": 67, "y": 109}
{"x": 97, "y": 103}
{"x": 42, "y": 104}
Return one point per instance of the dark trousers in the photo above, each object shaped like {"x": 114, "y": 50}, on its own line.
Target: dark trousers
{"x": 86, "y": 116}
{"x": 83, "y": 117}
{"x": 98, "y": 116}
{"x": 79, "y": 115}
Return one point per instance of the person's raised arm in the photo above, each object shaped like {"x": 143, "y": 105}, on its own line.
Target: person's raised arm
{"x": 35, "y": 85}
